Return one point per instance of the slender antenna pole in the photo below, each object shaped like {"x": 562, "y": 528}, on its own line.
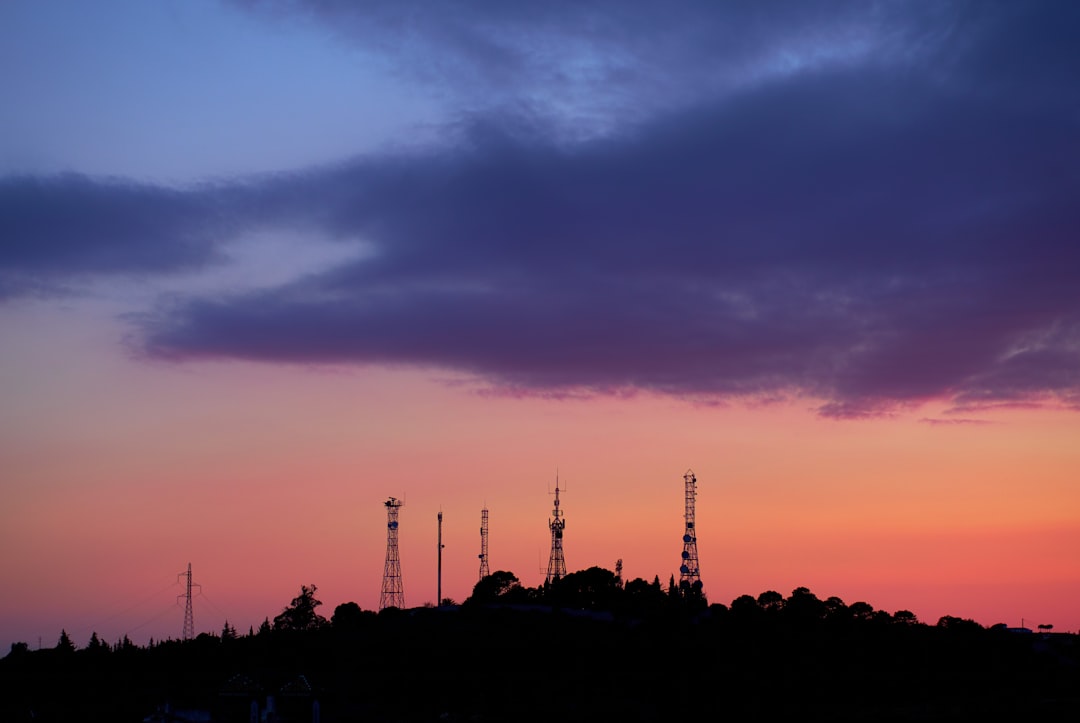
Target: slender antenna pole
{"x": 438, "y": 594}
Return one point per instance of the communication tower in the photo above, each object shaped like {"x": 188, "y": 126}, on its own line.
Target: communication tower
{"x": 393, "y": 595}
{"x": 189, "y": 616}
{"x": 556, "y": 569}
{"x": 484, "y": 570}
{"x": 689, "y": 574}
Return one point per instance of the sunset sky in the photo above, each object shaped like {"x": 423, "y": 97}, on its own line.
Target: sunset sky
{"x": 264, "y": 264}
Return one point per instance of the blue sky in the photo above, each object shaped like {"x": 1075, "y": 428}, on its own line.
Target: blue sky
{"x": 182, "y": 92}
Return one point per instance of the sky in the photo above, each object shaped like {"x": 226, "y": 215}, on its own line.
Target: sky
{"x": 266, "y": 263}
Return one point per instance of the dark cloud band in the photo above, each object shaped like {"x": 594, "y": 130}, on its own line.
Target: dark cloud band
{"x": 869, "y": 235}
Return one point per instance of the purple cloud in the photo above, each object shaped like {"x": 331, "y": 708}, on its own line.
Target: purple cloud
{"x": 57, "y": 227}
{"x": 589, "y": 68}
{"x": 872, "y": 235}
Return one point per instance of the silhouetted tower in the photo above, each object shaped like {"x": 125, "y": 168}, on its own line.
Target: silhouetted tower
{"x": 189, "y": 615}
{"x": 556, "y": 569}
{"x": 618, "y": 572}
{"x": 689, "y": 574}
{"x": 438, "y": 587}
{"x": 393, "y": 595}
{"x": 484, "y": 570}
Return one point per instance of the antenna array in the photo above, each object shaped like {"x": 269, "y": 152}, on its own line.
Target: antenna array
{"x": 689, "y": 573}
{"x": 556, "y": 569}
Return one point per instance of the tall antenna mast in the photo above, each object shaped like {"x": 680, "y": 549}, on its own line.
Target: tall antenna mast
{"x": 438, "y": 593}
{"x": 393, "y": 594}
{"x": 189, "y": 616}
{"x": 689, "y": 574}
{"x": 484, "y": 570}
{"x": 556, "y": 569}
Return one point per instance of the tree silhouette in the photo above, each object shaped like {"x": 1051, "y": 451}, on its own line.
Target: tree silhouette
{"x": 644, "y": 598}
{"x": 961, "y": 625}
{"x": 499, "y": 586}
{"x": 905, "y": 617}
{"x": 770, "y": 600}
{"x": 804, "y": 607}
{"x": 591, "y": 589}
{"x": 300, "y": 613}
{"x": 96, "y": 646}
{"x": 861, "y": 611}
{"x": 836, "y": 610}
{"x": 745, "y": 607}
{"x": 64, "y": 644}
{"x": 346, "y": 616}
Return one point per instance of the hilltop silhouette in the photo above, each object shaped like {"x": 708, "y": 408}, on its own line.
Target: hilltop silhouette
{"x": 586, "y": 647}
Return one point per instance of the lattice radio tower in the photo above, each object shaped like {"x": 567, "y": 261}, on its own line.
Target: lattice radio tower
{"x": 689, "y": 574}
{"x": 189, "y": 616}
{"x": 484, "y": 570}
{"x": 393, "y": 594}
{"x": 556, "y": 569}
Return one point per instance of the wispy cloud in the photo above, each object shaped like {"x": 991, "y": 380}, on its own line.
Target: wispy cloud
{"x": 960, "y": 421}
{"x": 588, "y": 68}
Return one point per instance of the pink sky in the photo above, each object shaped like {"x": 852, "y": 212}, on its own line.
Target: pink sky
{"x": 118, "y": 472}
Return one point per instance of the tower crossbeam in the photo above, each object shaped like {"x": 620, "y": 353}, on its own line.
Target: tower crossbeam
{"x": 189, "y": 612}
{"x": 484, "y": 569}
{"x": 393, "y": 593}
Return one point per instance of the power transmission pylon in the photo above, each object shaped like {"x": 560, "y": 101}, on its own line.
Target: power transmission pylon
{"x": 393, "y": 594}
{"x": 689, "y": 573}
{"x": 556, "y": 569}
{"x": 484, "y": 570}
{"x": 189, "y": 615}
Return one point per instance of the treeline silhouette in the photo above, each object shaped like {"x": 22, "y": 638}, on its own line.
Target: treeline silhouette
{"x": 587, "y": 647}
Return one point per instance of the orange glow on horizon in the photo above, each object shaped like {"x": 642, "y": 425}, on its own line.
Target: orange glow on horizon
{"x": 266, "y": 478}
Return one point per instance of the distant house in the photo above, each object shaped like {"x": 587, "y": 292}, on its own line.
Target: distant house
{"x": 166, "y": 714}
{"x": 244, "y": 699}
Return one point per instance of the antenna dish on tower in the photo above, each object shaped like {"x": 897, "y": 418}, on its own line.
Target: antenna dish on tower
{"x": 393, "y": 593}
{"x": 689, "y": 574}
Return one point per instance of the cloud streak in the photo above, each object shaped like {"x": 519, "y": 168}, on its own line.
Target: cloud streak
{"x": 869, "y": 235}
{"x": 59, "y": 227}
{"x": 589, "y": 68}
